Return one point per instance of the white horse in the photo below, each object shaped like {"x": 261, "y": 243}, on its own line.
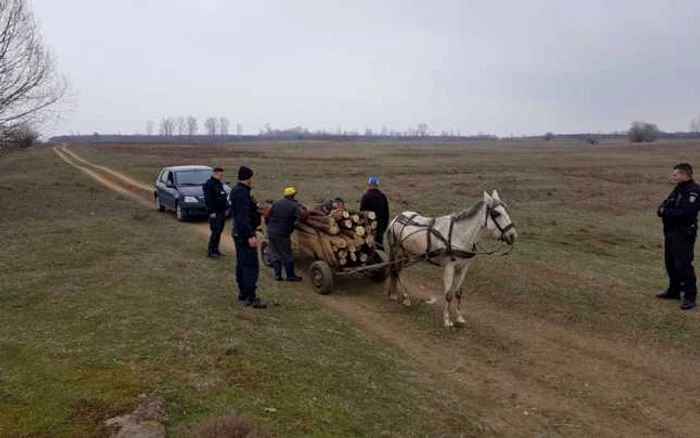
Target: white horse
{"x": 448, "y": 241}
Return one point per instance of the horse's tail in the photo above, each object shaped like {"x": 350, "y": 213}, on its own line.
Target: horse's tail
{"x": 392, "y": 249}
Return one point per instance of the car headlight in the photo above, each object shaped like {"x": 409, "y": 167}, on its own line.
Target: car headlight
{"x": 191, "y": 199}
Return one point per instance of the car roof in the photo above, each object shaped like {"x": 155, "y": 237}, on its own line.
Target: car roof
{"x": 193, "y": 167}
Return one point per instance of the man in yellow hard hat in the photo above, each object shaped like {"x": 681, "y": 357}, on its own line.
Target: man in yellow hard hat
{"x": 281, "y": 219}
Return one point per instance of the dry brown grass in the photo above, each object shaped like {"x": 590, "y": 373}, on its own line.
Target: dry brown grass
{"x": 230, "y": 426}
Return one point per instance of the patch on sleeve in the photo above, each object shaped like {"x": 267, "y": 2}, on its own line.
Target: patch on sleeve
{"x": 692, "y": 197}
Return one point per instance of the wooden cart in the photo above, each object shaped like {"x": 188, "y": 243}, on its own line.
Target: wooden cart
{"x": 326, "y": 268}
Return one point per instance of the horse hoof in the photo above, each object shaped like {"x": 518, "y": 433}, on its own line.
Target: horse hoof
{"x": 407, "y": 302}
{"x": 460, "y": 323}
{"x": 449, "y": 324}
{"x": 393, "y": 297}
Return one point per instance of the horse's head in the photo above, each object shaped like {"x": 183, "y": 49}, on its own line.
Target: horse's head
{"x": 498, "y": 220}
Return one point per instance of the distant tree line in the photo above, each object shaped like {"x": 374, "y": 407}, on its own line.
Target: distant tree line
{"x": 188, "y": 127}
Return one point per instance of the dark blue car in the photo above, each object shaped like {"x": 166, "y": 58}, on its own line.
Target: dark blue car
{"x": 179, "y": 188}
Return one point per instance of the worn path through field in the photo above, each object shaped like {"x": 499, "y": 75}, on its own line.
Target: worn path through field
{"x": 514, "y": 375}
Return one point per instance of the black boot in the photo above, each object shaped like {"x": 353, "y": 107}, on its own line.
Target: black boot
{"x": 291, "y": 276}
{"x": 687, "y": 304}
{"x": 277, "y": 266}
{"x": 669, "y": 295}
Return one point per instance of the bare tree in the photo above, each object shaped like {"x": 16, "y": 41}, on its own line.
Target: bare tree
{"x": 224, "y": 124}
{"x": 695, "y": 125}
{"x": 167, "y": 127}
{"x": 239, "y": 129}
{"x": 149, "y": 127}
{"x": 29, "y": 82}
{"x": 191, "y": 126}
{"x": 211, "y": 125}
{"x": 548, "y": 136}
{"x": 643, "y": 132}
{"x": 422, "y": 129}
{"x": 181, "y": 126}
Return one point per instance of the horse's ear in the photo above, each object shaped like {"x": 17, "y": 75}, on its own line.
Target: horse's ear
{"x": 495, "y": 195}
{"x": 487, "y": 198}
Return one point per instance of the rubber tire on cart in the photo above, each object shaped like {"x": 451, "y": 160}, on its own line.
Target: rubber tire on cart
{"x": 322, "y": 277}
{"x": 380, "y": 274}
{"x": 265, "y": 255}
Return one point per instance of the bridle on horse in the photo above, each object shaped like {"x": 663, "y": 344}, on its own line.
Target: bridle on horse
{"x": 449, "y": 250}
{"x": 493, "y": 214}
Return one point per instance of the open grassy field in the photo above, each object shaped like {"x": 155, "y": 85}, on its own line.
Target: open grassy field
{"x": 104, "y": 299}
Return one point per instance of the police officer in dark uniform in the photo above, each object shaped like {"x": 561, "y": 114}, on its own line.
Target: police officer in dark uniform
{"x": 374, "y": 200}
{"x": 246, "y": 220}
{"x": 679, "y": 214}
{"x": 281, "y": 218}
{"x": 216, "y": 203}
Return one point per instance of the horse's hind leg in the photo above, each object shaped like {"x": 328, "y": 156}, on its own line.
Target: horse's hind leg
{"x": 392, "y": 284}
{"x": 393, "y": 279}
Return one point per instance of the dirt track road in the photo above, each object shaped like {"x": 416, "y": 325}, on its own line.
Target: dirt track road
{"x": 515, "y": 375}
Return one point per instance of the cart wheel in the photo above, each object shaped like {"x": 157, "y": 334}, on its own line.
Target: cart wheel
{"x": 322, "y": 277}
{"x": 380, "y": 274}
{"x": 265, "y": 254}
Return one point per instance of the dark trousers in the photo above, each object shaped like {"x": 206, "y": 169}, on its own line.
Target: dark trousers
{"x": 679, "y": 245}
{"x": 216, "y": 225}
{"x": 247, "y": 269}
{"x": 280, "y": 248}
{"x": 379, "y": 238}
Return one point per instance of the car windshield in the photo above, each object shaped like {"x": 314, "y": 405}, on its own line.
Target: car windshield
{"x": 194, "y": 177}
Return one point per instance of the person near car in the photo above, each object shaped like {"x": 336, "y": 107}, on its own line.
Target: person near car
{"x": 246, "y": 220}
{"x": 374, "y": 200}
{"x": 280, "y": 219}
{"x": 215, "y": 199}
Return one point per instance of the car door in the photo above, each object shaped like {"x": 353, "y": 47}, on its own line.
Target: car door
{"x": 169, "y": 190}
{"x": 160, "y": 186}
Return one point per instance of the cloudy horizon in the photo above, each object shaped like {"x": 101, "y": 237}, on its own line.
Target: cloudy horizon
{"x": 506, "y": 68}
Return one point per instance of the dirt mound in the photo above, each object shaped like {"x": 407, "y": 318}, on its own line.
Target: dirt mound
{"x": 147, "y": 421}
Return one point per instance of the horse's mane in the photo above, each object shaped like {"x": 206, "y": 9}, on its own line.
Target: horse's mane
{"x": 468, "y": 214}
{"x": 475, "y": 209}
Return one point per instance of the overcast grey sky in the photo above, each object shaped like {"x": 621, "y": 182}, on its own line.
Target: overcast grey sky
{"x": 522, "y": 67}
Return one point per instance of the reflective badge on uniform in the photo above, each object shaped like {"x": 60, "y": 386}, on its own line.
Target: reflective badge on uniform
{"x": 693, "y": 197}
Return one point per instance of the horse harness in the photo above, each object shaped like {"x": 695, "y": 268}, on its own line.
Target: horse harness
{"x": 431, "y": 233}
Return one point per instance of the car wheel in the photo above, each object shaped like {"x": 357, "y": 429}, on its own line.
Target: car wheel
{"x": 179, "y": 213}
{"x": 159, "y": 206}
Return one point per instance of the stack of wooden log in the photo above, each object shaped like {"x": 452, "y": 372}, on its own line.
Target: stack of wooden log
{"x": 345, "y": 238}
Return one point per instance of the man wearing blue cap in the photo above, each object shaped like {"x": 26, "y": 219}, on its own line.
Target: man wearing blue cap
{"x": 376, "y": 201}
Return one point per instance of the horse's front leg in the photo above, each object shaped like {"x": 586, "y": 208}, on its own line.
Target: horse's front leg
{"x": 448, "y": 278}
{"x": 457, "y": 288}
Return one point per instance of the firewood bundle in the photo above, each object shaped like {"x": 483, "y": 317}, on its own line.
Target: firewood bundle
{"x": 345, "y": 238}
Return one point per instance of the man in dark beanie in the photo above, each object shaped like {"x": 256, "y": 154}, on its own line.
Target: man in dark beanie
{"x": 246, "y": 220}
